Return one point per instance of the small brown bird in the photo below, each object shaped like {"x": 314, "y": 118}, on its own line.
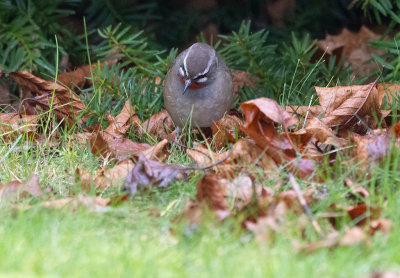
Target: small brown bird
{"x": 198, "y": 84}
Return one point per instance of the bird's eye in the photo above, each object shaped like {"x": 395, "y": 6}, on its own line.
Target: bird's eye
{"x": 181, "y": 72}
{"x": 201, "y": 78}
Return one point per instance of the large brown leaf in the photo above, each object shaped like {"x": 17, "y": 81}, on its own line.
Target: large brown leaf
{"x": 120, "y": 124}
{"x": 64, "y": 103}
{"x": 345, "y": 105}
{"x": 261, "y": 116}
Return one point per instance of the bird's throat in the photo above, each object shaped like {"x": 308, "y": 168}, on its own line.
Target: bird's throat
{"x": 193, "y": 85}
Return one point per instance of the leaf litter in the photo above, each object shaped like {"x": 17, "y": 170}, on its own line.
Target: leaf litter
{"x": 267, "y": 143}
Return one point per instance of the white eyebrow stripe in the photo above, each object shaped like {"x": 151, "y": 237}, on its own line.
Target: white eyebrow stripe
{"x": 181, "y": 71}
{"x": 202, "y": 80}
{"x": 184, "y": 60}
{"x": 212, "y": 57}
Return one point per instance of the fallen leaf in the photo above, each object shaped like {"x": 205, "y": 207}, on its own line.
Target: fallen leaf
{"x": 79, "y": 78}
{"x": 245, "y": 153}
{"x": 381, "y": 225}
{"x": 150, "y": 173}
{"x": 90, "y": 202}
{"x": 16, "y": 189}
{"x": 371, "y": 147}
{"x": 383, "y": 274}
{"x": 64, "y": 103}
{"x": 353, "y": 236}
{"x": 360, "y": 213}
{"x": 242, "y": 78}
{"x": 344, "y": 106}
{"x": 159, "y": 125}
{"x": 226, "y": 130}
{"x": 261, "y": 116}
{"x": 106, "y": 177}
{"x": 119, "y": 148}
{"x": 210, "y": 190}
{"x": 119, "y": 125}
{"x": 356, "y": 50}
{"x": 12, "y": 125}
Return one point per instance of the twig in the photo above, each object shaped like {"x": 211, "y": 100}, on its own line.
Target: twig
{"x": 303, "y": 203}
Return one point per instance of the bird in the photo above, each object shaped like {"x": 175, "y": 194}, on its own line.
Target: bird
{"x": 198, "y": 86}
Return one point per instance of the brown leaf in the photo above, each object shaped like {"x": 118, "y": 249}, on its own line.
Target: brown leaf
{"x": 226, "y": 130}
{"x": 150, "y": 173}
{"x": 263, "y": 229}
{"x": 381, "y": 225}
{"x": 158, "y": 152}
{"x": 303, "y": 111}
{"x": 353, "y": 236}
{"x": 16, "y": 189}
{"x": 362, "y": 212}
{"x": 90, "y": 202}
{"x": 390, "y": 91}
{"x": 242, "y": 78}
{"x": 12, "y": 125}
{"x": 371, "y": 147}
{"x": 120, "y": 124}
{"x": 64, "y": 103}
{"x": 341, "y": 105}
{"x": 383, "y": 274}
{"x": 159, "y": 125}
{"x": 106, "y": 177}
{"x": 79, "y": 78}
{"x": 280, "y": 11}
{"x": 245, "y": 154}
{"x": 210, "y": 190}
{"x": 118, "y": 148}
{"x": 262, "y": 115}
{"x": 241, "y": 191}
{"x": 356, "y": 50}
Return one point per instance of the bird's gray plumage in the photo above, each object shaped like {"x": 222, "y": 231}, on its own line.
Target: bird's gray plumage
{"x": 206, "y": 104}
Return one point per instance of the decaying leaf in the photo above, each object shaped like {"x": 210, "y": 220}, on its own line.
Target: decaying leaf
{"x": 150, "y": 173}
{"x": 159, "y": 125}
{"x": 245, "y": 154}
{"x": 119, "y": 148}
{"x": 90, "y": 202}
{"x": 12, "y": 125}
{"x": 371, "y": 147}
{"x": 226, "y": 130}
{"x": 240, "y": 79}
{"x": 37, "y": 91}
{"x": 262, "y": 115}
{"x": 120, "y": 124}
{"x": 344, "y": 106}
{"x": 106, "y": 177}
{"x": 210, "y": 190}
{"x": 16, "y": 189}
{"x": 356, "y": 50}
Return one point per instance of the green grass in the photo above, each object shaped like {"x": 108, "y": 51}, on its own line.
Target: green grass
{"x": 125, "y": 241}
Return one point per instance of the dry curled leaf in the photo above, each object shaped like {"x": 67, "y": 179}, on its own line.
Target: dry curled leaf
{"x": 90, "y": 202}
{"x": 211, "y": 191}
{"x": 119, "y": 148}
{"x": 119, "y": 125}
{"x": 37, "y": 91}
{"x": 345, "y": 106}
{"x": 226, "y": 130}
{"x": 261, "y": 116}
{"x": 12, "y": 125}
{"x": 159, "y": 125}
{"x": 106, "y": 177}
{"x": 16, "y": 189}
{"x": 150, "y": 173}
{"x": 355, "y": 49}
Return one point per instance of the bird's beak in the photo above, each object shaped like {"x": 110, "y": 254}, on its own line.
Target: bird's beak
{"x": 187, "y": 84}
